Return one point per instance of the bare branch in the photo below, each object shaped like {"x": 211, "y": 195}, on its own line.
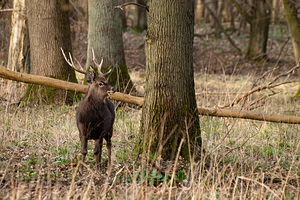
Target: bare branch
{"x": 132, "y": 3}
{"x": 269, "y": 85}
{"x": 242, "y": 11}
{"x": 221, "y": 28}
{"x": 12, "y": 10}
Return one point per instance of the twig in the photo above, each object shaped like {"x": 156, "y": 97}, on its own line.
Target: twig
{"x": 261, "y": 101}
{"x": 174, "y": 168}
{"x": 269, "y": 85}
{"x": 221, "y": 28}
{"x": 263, "y": 185}
{"x": 256, "y": 89}
{"x": 287, "y": 178}
{"x": 12, "y": 10}
{"x": 73, "y": 181}
{"x": 132, "y": 3}
{"x": 115, "y": 178}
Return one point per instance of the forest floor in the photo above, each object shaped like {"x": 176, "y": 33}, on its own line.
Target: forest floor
{"x": 243, "y": 159}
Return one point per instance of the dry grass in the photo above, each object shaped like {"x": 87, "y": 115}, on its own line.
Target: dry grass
{"x": 244, "y": 159}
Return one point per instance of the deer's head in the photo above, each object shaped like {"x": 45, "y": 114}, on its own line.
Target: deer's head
{"x": 98, "y": 85}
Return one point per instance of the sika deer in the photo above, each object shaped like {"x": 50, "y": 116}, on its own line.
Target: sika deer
{"x": 95, "y": 114}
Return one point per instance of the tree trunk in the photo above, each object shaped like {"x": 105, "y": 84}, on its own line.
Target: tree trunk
{"x": 16, "y": 51}
{"x": 275, "y": 11}
{"x": 49, "y": 30}
{"x": 170, "y": 112}
{"x": 17, "y": 37}
{"x": 259, "y": 29}
{"x": 294, "y": 27}
{"x": 105, "y": 38}
{"x": 199, "y": 11}
{"x": 141, "y": 16}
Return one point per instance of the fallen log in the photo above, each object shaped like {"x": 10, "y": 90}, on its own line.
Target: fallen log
{"x": 65, "y": 85}
{"x": 249, "y": 115}
{"x": 51, "y": 82}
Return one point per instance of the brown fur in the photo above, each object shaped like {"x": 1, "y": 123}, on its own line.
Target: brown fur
{"x": 95, "y": 117}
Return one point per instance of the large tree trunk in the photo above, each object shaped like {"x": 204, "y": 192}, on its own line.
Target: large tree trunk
{"x": 105, "y": 38}
{"x": 170, "y": 103}
{"x": 49, "y": 30}
{"x": 294, "y": 27}
{"x": 259, "y": 29}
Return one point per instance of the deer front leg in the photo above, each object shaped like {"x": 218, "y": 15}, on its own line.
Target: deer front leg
{"x": 98, "y": 152}
{"x": 109, "y": 155}
{"x": 84, "y": 143}
{"x": 83, "y": 149}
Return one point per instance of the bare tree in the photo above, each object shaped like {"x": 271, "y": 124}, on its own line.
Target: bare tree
{"x": 258, "y": 14}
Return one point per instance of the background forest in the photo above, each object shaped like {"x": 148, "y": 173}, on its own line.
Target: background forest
{"x": 243, "y": 56}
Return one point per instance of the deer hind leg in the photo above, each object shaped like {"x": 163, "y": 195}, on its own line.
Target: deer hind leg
{"x": 98, "y": 152}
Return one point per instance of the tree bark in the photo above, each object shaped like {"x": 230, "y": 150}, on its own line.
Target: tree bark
{"x": 199, "y": 11}
{"x": 259, "y": 30}
{"x": 17, "y": 37}
{"x": 105, "y": 38}
{"x": 49, "y": 30}
{"x": 294, "y": 27}
{"x": 141, "y": 16}
{"x": 170, "y": 103}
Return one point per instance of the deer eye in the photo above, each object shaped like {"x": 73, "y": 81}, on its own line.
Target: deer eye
{"x": 101, "y": 84}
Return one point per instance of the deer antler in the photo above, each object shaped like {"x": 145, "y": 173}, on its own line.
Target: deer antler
{"x": 71, "y": 63}
{"x": 99, "y": 66}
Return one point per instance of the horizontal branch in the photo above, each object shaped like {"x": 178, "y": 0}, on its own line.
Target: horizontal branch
{"x": 233, "y": 113}
{"x": 51, "y": 82}
{"x": 65, "y": 85}
{"x": 132, "y": 3}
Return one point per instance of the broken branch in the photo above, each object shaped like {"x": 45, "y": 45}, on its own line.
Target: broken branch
{"x": 132, "y": 3}
{"x": 51, "y": 82}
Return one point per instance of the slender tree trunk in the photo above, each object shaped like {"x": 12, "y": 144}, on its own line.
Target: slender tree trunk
{"x": 170, "y": 112}
{"x": 275, "y": 11}
{"x": 259, "y": 30}
{"x": 105, "y": 38}
{"x": 17, "y": 37}
{"x": 294, "y": 27}
{"x": 199, "y": 11}
{"x": 141, "y": 16}
{"x": 49, "y": 30}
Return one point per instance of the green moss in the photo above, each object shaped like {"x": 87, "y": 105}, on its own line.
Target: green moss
{"x": 174, "y": 120}
{"x": 36, "y": 94}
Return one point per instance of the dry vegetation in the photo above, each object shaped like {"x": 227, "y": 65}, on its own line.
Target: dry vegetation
{"x": 243, "y": 159}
